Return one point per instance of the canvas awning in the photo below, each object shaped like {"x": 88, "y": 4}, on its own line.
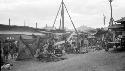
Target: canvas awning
{"x": 59, "y": 43}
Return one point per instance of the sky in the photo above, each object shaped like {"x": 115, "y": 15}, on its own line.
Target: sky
{"x": 83, "y": 12}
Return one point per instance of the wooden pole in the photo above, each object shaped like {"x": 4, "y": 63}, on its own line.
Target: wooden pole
{"x": 24, "y": 23}
{"x": 104, "y": 18}
{"x": 73, "y": 26}
{"x": 9, "y": 23}
{"x": 60, "y": 24}
{"x": 62, "y": 15}
{"x": 57, "y": 15}
{"x": 36, "y": 25}
{"x": 111, "y": 19}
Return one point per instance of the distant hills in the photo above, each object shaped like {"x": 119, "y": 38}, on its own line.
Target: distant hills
{"x": 82, "y": 28}
{"x": 17, "y": 28}
{"x": 28, "y": 29}
{"x": 86, "y": 29}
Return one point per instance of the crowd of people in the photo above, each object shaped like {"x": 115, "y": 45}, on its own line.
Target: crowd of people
{"x": 9, "y": 50}
{"x": 48, "y": 47}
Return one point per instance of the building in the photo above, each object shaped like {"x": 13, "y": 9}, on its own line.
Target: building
{"x": 118, "y": 30}
{"x": 118, "y": 27}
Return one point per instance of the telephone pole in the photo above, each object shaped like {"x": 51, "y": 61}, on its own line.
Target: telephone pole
{"x": 62, "y": 15}
{"x": 111, "y": 19}
{"x": 36, "y": 25}
{"x": 9, "y": 31}
{"x": 9, "y": 23}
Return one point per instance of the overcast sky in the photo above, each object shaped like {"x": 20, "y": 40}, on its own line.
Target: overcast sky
{"x": 83, "y": 12}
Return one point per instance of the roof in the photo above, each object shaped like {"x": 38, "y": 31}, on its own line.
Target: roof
{"x": 26, "y": 37}
{"x": 121, "y": 20}
{"x": 116, "y": 26}
{"x": 91, "y": 36}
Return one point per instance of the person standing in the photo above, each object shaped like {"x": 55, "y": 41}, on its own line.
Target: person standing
{"x": 86, "y": 42}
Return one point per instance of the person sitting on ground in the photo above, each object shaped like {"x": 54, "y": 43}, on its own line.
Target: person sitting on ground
{"x": 37, "y": 53}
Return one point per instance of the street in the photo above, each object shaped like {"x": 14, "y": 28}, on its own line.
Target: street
{"x": 93, "y": 61}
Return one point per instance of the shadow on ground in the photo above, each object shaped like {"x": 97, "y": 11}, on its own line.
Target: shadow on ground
{"x": 118, "y": 50}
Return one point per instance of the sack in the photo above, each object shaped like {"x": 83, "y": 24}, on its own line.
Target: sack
{"x": 6, "y": 66}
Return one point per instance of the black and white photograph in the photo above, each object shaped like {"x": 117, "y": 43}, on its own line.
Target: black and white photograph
{"x": 62, "y": 35}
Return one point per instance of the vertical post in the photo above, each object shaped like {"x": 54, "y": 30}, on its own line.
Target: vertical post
{"x": 9, "y": 34}
{"x": 60, "y": 24}
{"x": 104, "y": 18}
{"x": 9, "y": 23}
{"x": 114, "y": 35}
{"x": 46, "y": 25}
{"x": 111, "y": 14}
{"x": 36, "y": 25}
{"x": 62, "y": 15}
{"x": 24, "y": 23}
{"x": 111, "y": 19}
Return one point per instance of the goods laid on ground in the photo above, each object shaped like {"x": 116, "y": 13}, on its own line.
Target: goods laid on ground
{"x": 49, "y": 58}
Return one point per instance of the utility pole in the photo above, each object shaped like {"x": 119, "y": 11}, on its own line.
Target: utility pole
{"x": 36, "y": 25}
{"x": 9, "y": 23}
{"x": 60, "y": 25}
{"x": 9, "y": 34}
{"x": 104, "y": 18}
{"x": 111, "y": 19}
{"x": 46, "y": 26}
{"x": 62, "y": 14}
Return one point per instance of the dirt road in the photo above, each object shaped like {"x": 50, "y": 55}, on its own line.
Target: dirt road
{"x": 93, "y": 61}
